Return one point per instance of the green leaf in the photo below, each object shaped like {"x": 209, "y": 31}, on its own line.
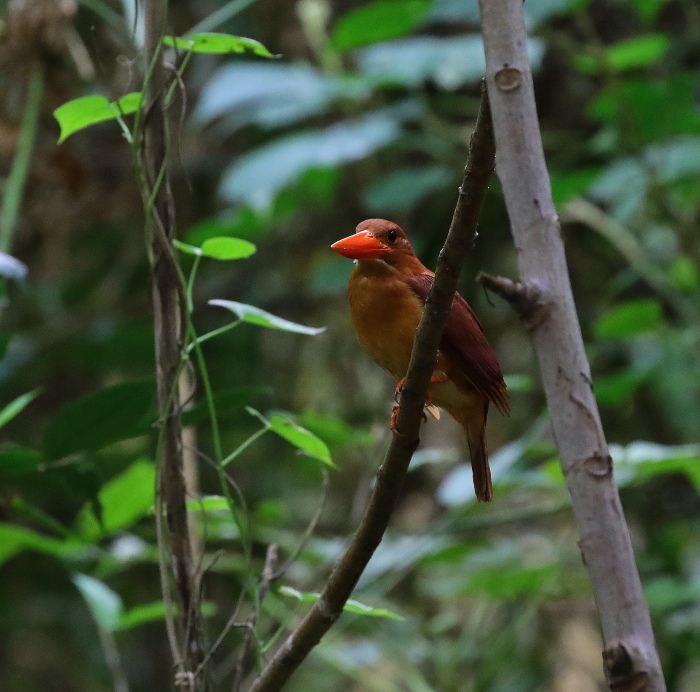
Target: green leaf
{"x": 253, "y": 315}
{"x": 16, "y": 406}
{"x": 89, "y": 110}
{"x": 98, "y": 419}
{"x": 124, "y": 500}
{"x": 378, "y": 21}
{"x": 518, "y": 383}
{"x": 333, "y": 430}
{"x": 104, "y": 604}
{"x": 13, "y": 539}
{"x": 227, "y": 248}
{"x": 210, "y": 503}
{"x": 221, "y": 248}
{"x": 218, "y": 43}
{"x": 512, "y": 581}
{"x": 642, "y": 460}
{"x": 351, "y": 606}
{"x": 613, "y": 390}
{"x": 18, "y": 461}
{"x": 226, "y": 401}
{"x": 630, "y": 54}
{"x": 404, "y": 189}
{"x": 302, "y": 439}
{"x": 153, "y": 612}
{"x": 629, "y": 319}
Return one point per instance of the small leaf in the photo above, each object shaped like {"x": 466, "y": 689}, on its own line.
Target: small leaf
{"x": 16, "y": 406}
{"x": 124, "y": 500}
{"x": 378, "y": 21}
{"x": 218, "y": 43}
{"x": 187, "y": 249}
{"x": 210, "y": 503}
{"x": 98, "y": 419}
{"x": 104, "y": 603}
{"x": 225, "y": 248}
{"x": 253, "y": 315}
{"x": 302, "y": 439}
{"x": 18, "y": 461}
{"x": 628, "y": 319}
{"x": 351, "y": 606}
{"x": 89, "y": 110}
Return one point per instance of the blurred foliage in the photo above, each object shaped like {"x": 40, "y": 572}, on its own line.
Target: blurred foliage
{"x": 359, "y": 116}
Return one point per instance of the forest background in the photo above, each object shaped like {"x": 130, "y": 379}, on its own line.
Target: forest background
{"x": 357, "y": 117}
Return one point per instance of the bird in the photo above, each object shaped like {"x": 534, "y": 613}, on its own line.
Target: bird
{"x": 387, "y": 291}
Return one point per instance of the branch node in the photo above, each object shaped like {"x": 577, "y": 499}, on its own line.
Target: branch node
{"x": 621, "y": 671}
{"x": 325, "y": 610}
{"x": 508, "y": 78}
{"x": 528, "y": 299}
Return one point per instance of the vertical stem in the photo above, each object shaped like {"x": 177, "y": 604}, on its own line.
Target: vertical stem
{"x": 167, "y": 296}
{"x": 546, "y": 304}
{"x": 14, "y": 188}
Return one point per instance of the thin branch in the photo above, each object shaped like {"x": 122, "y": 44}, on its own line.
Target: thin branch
{"x": 631, "y": 660}
{"x": 391, "y": 474}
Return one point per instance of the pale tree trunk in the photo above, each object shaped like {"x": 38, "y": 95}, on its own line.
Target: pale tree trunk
{"x": 544, "y": 300}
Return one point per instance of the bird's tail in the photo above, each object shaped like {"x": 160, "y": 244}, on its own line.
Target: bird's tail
{"x": 481, "y": 472}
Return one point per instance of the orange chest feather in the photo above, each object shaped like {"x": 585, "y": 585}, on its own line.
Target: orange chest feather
{"x": 385, "y": 314}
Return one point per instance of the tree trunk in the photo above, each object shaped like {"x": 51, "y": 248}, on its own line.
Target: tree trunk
{"x": 544, "y": 300}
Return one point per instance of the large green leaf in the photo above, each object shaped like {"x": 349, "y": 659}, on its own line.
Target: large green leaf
{"x": 630, "y": 54}
{"x": 123, "y": 500}
{"x": 18, "y": 461}
{"x": 272, "y": 94}
{"x": 629, "y": 319}
{"x": 253, "y": 315}
{"x": 98, "y": 419}
{"x": 381, "y": 20}
{"x": 89, "y": 110}
{"x": 16, "y": 406}
{"x": 405, "y": 188}
{"x": 258, "y": 177}
{"x": 217, "y": 43}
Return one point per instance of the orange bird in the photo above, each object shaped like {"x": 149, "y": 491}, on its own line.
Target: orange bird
{"x": 388, "y": 288}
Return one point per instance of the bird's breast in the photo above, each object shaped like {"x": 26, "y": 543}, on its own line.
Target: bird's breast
{"x": 385, "y": 313}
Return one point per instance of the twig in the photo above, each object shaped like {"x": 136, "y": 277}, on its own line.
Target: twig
{"x": 631, "y": 659}
{"x": 167, "y": 310}
{"x": 391, "y": 474}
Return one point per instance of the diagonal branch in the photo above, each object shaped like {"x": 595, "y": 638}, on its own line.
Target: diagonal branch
{"x": 393, "y": 470}
{"x": 543, "y": 297}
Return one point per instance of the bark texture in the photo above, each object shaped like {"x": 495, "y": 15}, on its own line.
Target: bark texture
{"x": 543, "y": 298}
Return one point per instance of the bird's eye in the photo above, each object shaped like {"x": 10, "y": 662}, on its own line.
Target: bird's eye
{"x": 391, "y": 236}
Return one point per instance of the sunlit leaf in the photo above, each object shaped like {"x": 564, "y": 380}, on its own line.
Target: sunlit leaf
{"x": 124, "y": 500}
{"x": 104, "y": 603}
{"x": 631, "y": 54}
{"x": 628, "y": 319}
{"x": 217, "y": 43}
{"x": 351, "y": 606}
{"x": 253, "y": 315}
{"x": 89, "y": 110}
{"x": 16, "y": 406}
{"x": 381, "y": 20}
{"x": 227, "y": 248}
{"x": 98, "y": 419}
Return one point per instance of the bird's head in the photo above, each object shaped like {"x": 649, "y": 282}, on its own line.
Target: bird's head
{"x": 376, "y": 239}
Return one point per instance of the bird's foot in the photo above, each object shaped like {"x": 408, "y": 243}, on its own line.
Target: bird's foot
{"x": 433, "y": 410}
{"x": 435, "y": 379}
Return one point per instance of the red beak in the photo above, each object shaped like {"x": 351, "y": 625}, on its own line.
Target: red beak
{"x": 362, "y": 245}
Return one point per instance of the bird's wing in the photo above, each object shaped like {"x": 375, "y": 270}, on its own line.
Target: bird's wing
{"x": 464, "y": 345}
